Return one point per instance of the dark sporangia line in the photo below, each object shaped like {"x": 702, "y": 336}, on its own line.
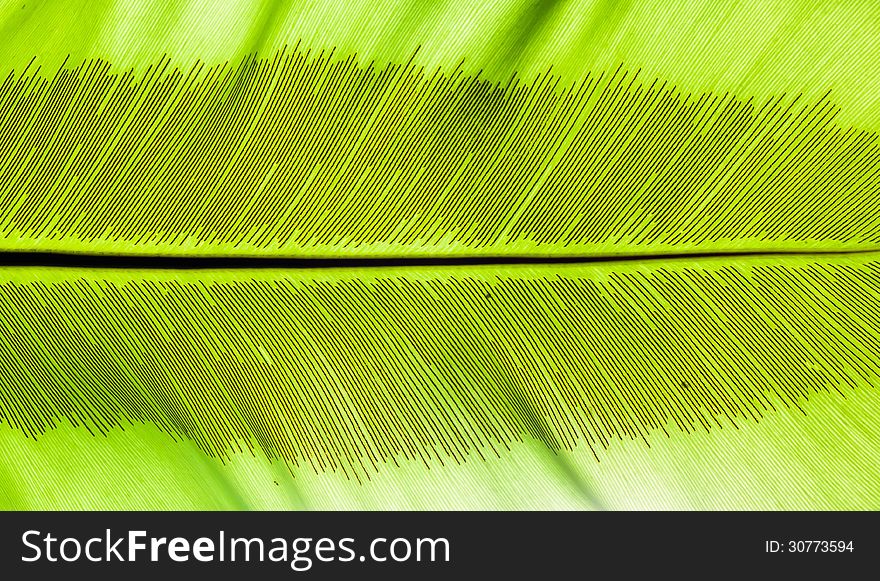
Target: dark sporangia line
{"x": 348, "y": 372}
{"x": 141, "y": 262}
{"x": 308, "y": 154}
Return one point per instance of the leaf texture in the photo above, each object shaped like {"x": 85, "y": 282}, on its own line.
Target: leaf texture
{"x": 400, "y": 129}
{"x": 788, "y": 461}
{"x": 343, "y": 372}
{"x": 306, "y": 155}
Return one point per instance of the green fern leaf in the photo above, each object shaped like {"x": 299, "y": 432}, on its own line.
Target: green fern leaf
{"x": 719, "y": 164}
